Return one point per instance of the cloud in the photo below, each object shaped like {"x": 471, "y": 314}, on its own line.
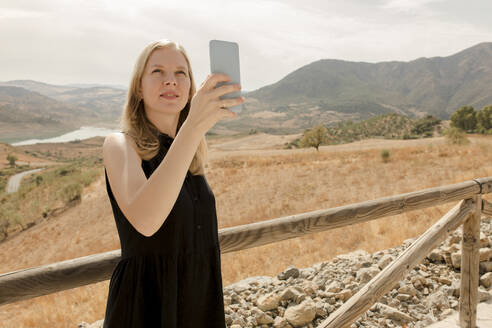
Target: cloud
{"x": 410, "y": 6}
{"x": 64, "y": 41}
{"x": 8, "y": 13}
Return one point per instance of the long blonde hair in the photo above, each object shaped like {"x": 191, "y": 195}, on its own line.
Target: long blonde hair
{"x": 134, "y": 121}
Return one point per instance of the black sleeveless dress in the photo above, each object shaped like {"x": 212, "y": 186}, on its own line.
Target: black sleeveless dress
{"x": 171, "y": 279}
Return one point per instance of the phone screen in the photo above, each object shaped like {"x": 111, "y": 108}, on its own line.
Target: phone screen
{"x": 224, "y": 59}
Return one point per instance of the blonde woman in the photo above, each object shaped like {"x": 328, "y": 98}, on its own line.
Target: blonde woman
{"x": 169, "y": 273}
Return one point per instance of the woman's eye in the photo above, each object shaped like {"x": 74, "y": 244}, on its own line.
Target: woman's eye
{"x": 156, "y": 70}
{"x": 182, "y": 72}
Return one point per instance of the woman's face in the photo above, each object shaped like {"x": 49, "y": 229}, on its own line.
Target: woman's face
{"x": 166, "y": 72}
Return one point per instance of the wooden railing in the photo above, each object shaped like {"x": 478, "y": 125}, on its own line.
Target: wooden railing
{"x": 33, "y": 282}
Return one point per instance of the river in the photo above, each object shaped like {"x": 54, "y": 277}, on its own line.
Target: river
{"x": 84, "y": 132}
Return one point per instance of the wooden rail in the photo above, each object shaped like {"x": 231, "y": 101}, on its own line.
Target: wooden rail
{"x": 486, "y": 208}
{"x": 33, "y": 282}
{"x": 384, "y": 281}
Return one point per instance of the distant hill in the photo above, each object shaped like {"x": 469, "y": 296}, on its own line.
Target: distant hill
{"x": 94, "y": 85}
{"x": 437, "y": 86}
{"x": 25, "y": 114}
{"x": 32, "y": 109}
{"x": 323, "y": 92}
{"x": 105, "y": 102}
{"x": 39, "y": 87}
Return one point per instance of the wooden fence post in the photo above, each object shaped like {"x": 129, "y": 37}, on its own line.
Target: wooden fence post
{"x": 470, "y": 260}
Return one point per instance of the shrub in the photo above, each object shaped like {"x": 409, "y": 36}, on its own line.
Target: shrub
{"x": 385, "y": 154}
{"x": 456, "y": 136}
{"x": 71, "y": 192}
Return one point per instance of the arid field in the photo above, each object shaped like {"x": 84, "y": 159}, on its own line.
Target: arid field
{"x": 253, "y": 183}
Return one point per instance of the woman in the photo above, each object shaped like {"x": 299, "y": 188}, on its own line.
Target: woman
{"x": 169, "y": 273}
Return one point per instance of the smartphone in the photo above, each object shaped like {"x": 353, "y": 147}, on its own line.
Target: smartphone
{"x": 224, "y": 59}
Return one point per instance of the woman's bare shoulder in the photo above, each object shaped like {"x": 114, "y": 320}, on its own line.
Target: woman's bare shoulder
{"x": 120, "y": 141}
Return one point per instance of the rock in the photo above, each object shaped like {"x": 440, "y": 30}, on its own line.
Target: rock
{"x": 334, "y": 287}
{"x": 454, "y": 240}
{"x": 291, "y": 294}
{"x": 281, "y": 322}
{"x": 321, "y": 310}
{"x": 485, "y": 254}
{"x": 427, "y": 294}
{"x": 366, "y": 274}
{"x": 483, "y": 295}
{"x": 436, "y": 256}
{"x": 261, "y": 317}
{"x": 268, "y": 302}
{"x": 344, "y": 295}
{"x": 248, "y": 283}
{"x": 408, "y": 242}
{"x": 444, "y": 280}
{"x": 438, "y": 300}
{"x": 302, "y": 314}
{"x": 456, "y": 260}
{"x": 97, "y": 324}
{"x": 407, "y": 289}
{"x": 484, "y": 240}
{"x": 393, "y": 313}
{"x": 384, "y": 261}
{"x": 291, "y": 271}
{"x": 455, "y": 288}
{"x": 238, "y": 321}
{"x": 486, "y": 280}
{"x": 486, "y": 266}
{"x": 403, "y": 297}
{"x": 309, "y": 287}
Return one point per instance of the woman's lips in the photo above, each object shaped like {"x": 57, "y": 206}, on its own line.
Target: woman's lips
{"x": 169, "y": 97}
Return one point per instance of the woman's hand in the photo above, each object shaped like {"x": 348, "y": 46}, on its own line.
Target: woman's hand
{"x": 206, "y": 107}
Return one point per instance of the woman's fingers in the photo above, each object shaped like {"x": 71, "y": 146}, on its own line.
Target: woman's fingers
{"x": 224, "y": 89}
{"x": 215, "y": 78}
{"x": 230, "y": 102}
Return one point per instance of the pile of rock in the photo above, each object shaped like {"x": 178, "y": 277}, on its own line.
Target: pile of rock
{"x": 306, "y": 297}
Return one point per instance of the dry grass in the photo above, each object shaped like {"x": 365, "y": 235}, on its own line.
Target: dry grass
{"x": 251, "y": 188}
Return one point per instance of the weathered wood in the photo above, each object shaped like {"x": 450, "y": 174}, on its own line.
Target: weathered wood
{"x": 265, "y": 232}
{"x": 470, "y": 260}
{"x": 485, "y": 184}
{"x": 51, "y": 278}
{"x": 77, "y": 272}
{"x": 486, "y": 207}
{"x": 384, "y": 281}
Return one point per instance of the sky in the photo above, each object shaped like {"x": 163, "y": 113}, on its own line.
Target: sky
{"x": 74, "y": 41}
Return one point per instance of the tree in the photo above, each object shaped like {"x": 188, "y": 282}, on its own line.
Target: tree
{"x": 425, "y": 125}
{"x": 464, "y": 119}
{"x": 11, "y": 159}
{"x": 315, "y": 137}
{"x": 484, "y": 120}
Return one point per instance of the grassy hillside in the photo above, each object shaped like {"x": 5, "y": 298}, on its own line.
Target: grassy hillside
{"x": 387, "y": 126}
{"x": 253, "y": 188}
{"x": 44, "y": 194}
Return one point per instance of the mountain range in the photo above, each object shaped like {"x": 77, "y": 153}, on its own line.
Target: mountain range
{"x": 325, "y": 91}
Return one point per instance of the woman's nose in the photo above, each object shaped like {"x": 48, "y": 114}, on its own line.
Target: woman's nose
{"x": 168, "y": 82}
